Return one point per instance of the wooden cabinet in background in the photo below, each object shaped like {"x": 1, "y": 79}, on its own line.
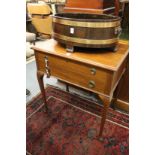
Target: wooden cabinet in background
{"x": 92, "y": 6}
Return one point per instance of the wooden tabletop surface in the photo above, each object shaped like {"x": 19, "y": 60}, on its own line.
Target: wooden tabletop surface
{"x": 101, "y": 58}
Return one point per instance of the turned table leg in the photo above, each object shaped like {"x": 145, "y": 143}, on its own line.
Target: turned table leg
{"x": 40, "y": 76}
{"x": 106, "y": 102}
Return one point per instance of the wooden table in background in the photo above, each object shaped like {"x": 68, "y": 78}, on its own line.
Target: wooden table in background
{"x": 96, "y": 71}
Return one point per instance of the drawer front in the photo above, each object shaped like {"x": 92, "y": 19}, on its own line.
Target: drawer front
{"x": 82, "y": 75}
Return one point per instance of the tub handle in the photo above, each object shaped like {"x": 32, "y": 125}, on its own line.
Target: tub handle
{"x": 118, "y": 31}
{"x": 47, "y": 69}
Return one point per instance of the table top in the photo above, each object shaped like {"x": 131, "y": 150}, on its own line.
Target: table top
{"x": 97, "y": 57}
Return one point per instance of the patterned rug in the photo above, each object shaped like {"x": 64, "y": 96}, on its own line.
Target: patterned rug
{"x": 68, "y": 130}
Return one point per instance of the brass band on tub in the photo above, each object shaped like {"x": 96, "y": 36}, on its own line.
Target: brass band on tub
{"x": 85, "y": 41}
{"x": 87, "y": 24}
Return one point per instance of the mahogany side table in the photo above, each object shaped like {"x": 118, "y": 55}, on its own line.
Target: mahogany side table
{"x": 96, "y": 71}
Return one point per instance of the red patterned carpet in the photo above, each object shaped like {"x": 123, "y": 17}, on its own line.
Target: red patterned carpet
{"x": 67, "y": 130}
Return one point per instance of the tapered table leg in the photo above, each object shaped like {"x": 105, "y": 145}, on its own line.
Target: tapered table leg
{"x": 106, "y": 102}
{"x": 40, "y": 76}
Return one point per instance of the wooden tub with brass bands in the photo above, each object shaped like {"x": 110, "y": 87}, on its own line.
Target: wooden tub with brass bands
{"x": 86, "y": 30}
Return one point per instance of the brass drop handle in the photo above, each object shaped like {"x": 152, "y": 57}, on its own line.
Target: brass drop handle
{"x": 93, "y": 71}
{"x": 46, "y": 61}
{"x": 47, "y": 73}
{"x": 47, "y": 69}
{"x": 91, "y": 84}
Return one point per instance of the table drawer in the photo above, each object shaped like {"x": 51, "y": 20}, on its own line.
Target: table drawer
{"x": 77, "y": 73}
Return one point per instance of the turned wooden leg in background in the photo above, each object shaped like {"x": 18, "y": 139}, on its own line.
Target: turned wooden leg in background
{"x": 106, "y": 103}
{"x": 40, "y": 76}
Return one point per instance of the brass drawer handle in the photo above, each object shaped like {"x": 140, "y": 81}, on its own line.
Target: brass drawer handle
{"x": 47, "y": 69}
{"x": 91, "y": 84}
{"x": 47, "y": 73}
{"x": 93, "y": 71}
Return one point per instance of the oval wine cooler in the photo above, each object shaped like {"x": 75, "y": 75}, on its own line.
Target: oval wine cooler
{"x": 86, "y": 30}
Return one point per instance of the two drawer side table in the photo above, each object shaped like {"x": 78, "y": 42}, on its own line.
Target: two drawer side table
{"x": 95, "y": 71}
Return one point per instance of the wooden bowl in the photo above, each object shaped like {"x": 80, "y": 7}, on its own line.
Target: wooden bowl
{"x": 86, "y": 30}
